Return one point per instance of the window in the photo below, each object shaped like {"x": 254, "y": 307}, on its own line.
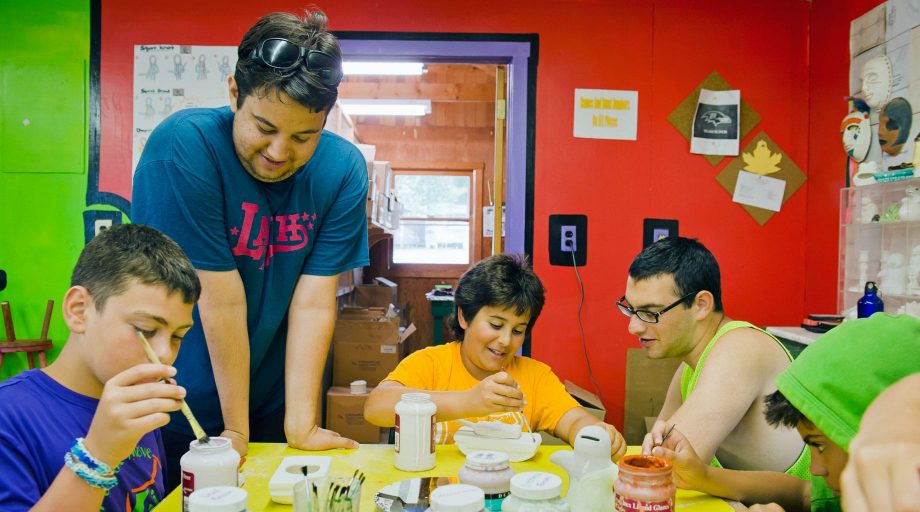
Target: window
{"x": 438, "y": 226}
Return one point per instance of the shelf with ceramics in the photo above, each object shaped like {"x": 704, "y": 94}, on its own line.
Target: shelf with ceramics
{"x": 880, "y": 242}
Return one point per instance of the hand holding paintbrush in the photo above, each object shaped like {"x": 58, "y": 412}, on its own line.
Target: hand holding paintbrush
{"x": 196, "y": 427}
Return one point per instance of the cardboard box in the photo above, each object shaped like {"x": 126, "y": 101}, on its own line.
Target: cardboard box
{"x": 367, "y": 345}
{"x": 586, "y": 399}
{"x": 345, "y": 415}
{"x": 380, "y": 294}
{"x": 647, "y": 382}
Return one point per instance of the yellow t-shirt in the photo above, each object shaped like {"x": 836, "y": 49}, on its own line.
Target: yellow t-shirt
{"x": 440, "y": 368}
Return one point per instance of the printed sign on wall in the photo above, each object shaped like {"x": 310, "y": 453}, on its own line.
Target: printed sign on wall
{"x": 715, "y": 124}
{"x": 171, "y": 77}
{"x": 606, "y": 114}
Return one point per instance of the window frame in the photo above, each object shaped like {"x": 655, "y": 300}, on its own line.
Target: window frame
{"x": 475, "y": 171}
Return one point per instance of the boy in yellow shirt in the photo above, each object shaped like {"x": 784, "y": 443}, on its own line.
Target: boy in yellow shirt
{"x": 479, "y": 377}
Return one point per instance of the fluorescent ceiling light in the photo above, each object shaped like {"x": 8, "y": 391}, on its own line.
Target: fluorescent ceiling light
{"x": 372, "y": 107}
{"x": 382, "y": 68}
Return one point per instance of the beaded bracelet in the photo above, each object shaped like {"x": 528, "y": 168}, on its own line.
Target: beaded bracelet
{"x": 80, "y": 452}
{"x": 92, "y": 470}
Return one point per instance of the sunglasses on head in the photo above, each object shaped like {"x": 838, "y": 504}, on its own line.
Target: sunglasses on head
{"x": 283, "y": 55}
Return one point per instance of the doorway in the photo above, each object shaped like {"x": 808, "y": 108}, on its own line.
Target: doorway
{"x": 462, "y": 58}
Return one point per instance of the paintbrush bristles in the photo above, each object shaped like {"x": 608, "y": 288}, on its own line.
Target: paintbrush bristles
{"x": 196, "y": 427}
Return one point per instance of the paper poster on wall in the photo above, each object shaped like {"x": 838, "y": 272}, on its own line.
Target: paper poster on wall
{"x": 759, "y": 190}
{"x": 171, "y": 77}
{"x": 606, "y": 114}
{"x": 715, "y": 123}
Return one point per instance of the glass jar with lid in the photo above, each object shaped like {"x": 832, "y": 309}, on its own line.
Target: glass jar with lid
{"x": 490, "y": 472}
{"x": 535, "y": 491}
{"x": 644, "y": 483}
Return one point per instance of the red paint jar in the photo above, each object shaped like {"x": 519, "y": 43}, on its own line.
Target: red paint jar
{"x": 644, "y": 484}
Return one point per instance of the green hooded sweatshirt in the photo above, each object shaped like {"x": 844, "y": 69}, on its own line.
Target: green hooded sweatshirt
{"x": 834, "y": 380}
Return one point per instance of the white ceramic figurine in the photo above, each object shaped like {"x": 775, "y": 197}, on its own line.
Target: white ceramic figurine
{"x": 591, "y": 472}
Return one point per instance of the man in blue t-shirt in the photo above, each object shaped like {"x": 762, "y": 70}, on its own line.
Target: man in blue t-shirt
{"x": 270, "y": 209}
{"x": 99, "y": 405}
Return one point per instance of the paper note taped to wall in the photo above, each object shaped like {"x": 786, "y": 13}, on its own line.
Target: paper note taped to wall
{"x": 760, "y": 191}
{"x": 715, "y": 123}
{"x": 605, "y": 114}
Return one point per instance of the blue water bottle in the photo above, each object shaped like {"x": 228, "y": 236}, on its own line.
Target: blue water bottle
{"x": 870, "y": 302}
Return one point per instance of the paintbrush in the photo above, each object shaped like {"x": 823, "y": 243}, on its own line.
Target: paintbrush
{"x": 196, "y": 427}
{"x": 666, "y": 435}
{"x": 523, "y": 415}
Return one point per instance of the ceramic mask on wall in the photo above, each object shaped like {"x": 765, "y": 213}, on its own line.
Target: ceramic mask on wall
{"x": 876, "y": 81}
{"x": 856, "y": 134}
{"x": 894, "y": 126}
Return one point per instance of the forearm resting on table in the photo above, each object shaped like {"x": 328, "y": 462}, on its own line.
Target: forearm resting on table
{"x": 752, "y": 487}
{"x": 309, "y": 336}
{"x": 222, "y": 308}
{"x": 380, "y": 406}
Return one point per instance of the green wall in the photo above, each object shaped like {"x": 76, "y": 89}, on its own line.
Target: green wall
{"x": 43, "y": 79}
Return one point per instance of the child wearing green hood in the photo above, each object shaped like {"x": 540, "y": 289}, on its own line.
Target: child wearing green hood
{"x": 823, "y": 394}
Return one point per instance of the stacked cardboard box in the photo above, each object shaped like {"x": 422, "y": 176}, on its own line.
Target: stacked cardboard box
{"x": 380, "y": 294}
{"x": 345, "y": 415}
{"x": 367, "y": 345}
{"x": 647, "y": 382}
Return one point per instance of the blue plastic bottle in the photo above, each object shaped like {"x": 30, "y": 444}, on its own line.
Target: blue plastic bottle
{"x": 870, "y": 302}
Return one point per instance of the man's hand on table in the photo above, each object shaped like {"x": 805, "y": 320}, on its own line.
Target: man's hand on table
{"x": 315, "y": 438}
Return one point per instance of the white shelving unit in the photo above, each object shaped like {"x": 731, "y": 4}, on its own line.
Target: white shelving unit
{"x": 868, "y": 247}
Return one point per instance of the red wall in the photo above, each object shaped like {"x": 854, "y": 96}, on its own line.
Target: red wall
{"x": 663, "y": 49}
{"x": 829, "y": 69}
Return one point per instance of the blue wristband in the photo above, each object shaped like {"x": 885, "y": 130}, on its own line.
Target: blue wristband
{"x": 92, "y": 470}
{"x": 89, "y": 476}
{"x": 81, "y": 454}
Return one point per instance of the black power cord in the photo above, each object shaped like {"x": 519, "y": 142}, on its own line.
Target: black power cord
{"x": 581, "y": 327}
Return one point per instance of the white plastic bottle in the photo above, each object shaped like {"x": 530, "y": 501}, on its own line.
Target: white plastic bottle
{"x": 457, "y": 498}
{"x": 211, "y": 464}
{"x": 535, "y": 491}
{"x": 490, "y": 472}
{"x": 415, "y": 432}
{"x": 218, "y": 499}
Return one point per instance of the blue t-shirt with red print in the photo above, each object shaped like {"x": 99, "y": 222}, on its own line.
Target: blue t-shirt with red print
{"x": 39, "y": 420}
{"x": 191, "y": 185}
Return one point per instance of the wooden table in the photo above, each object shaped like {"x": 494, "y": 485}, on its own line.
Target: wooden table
{"x": 376, "y": 461}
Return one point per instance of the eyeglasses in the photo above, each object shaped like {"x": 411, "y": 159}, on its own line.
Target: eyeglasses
{"x": 649, "y": 317}
{"x": 283, "y": 55}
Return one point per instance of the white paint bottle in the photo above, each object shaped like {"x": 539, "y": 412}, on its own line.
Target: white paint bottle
{"x": 211, "y": 464}
{"x": 415, "y": 419}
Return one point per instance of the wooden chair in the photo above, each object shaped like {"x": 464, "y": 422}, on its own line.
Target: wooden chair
{"x": 30, "y": 347}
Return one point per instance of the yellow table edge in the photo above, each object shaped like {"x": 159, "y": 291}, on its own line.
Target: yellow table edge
{"x": 376, "y": 461}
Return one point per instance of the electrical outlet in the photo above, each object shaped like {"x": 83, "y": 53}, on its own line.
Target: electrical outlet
{"x": 654, "y": 230}
{"x": 102, "y": 225}
{"x": 568, "y": 240}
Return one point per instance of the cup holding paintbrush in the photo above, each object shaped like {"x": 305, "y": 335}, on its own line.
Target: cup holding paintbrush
{"x": 196, "y": 427}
